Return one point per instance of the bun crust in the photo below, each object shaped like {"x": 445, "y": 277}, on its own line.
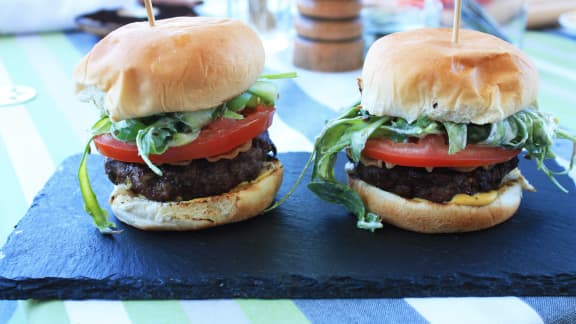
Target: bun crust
{"x": 430, "y": 217}
{"x": 480, "y": 80}
{"x": 180, "y": 64}
{"x": 245, "y": 201}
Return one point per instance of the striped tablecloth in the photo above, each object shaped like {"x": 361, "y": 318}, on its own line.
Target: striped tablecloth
{"x": 37, "y": 136}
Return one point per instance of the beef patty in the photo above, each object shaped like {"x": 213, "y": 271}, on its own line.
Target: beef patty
{"x": 439, "y": 185}
{"x": 199, "y": 178}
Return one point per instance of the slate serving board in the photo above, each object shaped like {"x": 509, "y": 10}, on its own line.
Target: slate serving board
{"x": 305, "y": 249}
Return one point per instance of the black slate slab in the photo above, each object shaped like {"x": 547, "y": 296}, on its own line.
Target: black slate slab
{"x": 305, "y": 249}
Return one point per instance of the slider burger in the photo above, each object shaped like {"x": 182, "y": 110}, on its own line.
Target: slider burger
{"x": 185, "y": 112}
{"x": 433, "y": 145}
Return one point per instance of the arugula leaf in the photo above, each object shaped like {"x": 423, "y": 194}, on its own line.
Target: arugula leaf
{"x": 154, "y": 139}
{"x": 294, "y": 186}
{"x": 286, "y": 75}
{"x": 339, "y": 193}
{"x": 102, "y": 126}
{"x": 457, "y": 136}
{"x": 195, "y": 119}
{"x": 126, "y": 130}
{"x": 399, "y": 130}
{"x": 179, "y": 139}
{"x": 91, "y": 205}
{"x": 351, "y": 129}
{"x": 358, "y": 139}
{"x": 371, "y": 222}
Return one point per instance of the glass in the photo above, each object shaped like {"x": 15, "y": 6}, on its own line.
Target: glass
{"x": 503, "y": 18}
{"x": 382, "y": 17}
{"x": 272, "y": 19}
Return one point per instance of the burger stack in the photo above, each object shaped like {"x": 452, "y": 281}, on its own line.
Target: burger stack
{"x": 329, "y": 35}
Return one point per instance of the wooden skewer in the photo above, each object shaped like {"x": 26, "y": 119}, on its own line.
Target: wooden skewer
{"x": 150, "y": 12}
{"x": 456, "y": 24}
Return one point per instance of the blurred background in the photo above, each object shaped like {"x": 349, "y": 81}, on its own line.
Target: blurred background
{"x": 274, "y": 18}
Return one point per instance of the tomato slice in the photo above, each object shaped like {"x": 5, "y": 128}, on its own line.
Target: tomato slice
{"x": 218, "y": 137}
{"x": 432, "y": 151}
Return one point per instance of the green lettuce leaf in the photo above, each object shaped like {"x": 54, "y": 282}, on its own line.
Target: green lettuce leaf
{"x": 91, "y": 206}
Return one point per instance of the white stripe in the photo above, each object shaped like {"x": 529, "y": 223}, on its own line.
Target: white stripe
{"x": 334, "y": 90}
{"x": 566, "y": 164}
{"x": 555, "y": 69}
{"x": 474, "y": 310}
{"x": 96, "y": 312}
{"x": 30, "y": 158}
{"x": 19, "y": 134}
{"x": 80, "y": 115}
{"x": 4, "y": 76}
{"x": 564, "y": 91}
{"x": 288, "y": 139}
{"x": 214, "y": 311}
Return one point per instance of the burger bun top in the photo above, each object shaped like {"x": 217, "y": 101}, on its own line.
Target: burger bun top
{"x": 180, "y": 64}
{"x": 481, "y": 79}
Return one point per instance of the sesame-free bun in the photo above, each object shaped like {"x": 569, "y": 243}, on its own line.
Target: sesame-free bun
{"x": 481, "y": 79}
{"x": 429, "y": 217}
{"x": 180, "y": 64}
{"x": 247, "y": 200}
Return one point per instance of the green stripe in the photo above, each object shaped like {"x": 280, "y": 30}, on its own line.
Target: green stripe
{"x": 557, "y": 96}
{"x": 552, "y": 49}
{"x": 272, "y": 311}
{"x": 559, "y": 107}
{"x": 560, "y": 44}
{"x": 57, "y": 82}
{"x": 49, "y": 121}
{"x": 63, "y": 51}
{"x": 46, "y": 312}
{"x": 12, "y": 198}
{"x": 562, "y": 85}
{"x": 155, "y": 312}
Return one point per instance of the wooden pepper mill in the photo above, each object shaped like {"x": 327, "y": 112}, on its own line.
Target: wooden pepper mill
{"x": 329, "y": 35}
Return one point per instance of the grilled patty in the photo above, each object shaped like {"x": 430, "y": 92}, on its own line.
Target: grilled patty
{"x": 440, "y": 185}
{"x": 199, "y": 178}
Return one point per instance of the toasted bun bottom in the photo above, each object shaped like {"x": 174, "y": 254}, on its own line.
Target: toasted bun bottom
{"x": 429, "y": 217}
{"x": 244, "y": 201}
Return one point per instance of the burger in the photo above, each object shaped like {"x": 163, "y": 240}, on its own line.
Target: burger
{"x": 433, "y": 144}
{"x": 185, "y": 112}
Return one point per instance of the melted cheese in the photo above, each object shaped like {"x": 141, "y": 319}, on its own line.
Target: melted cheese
{"x": 479, "y": 199}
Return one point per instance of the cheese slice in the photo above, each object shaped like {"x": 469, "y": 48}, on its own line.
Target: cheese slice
{"x": 479, "y": 199}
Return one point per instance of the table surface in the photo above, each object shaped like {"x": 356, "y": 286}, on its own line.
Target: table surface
{"x": 37, "y": 136}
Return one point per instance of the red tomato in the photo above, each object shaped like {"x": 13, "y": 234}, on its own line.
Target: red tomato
{"x": 432, "y": 151}
{"x": 411, "y": 3}
{"x": 218, "y": 137}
